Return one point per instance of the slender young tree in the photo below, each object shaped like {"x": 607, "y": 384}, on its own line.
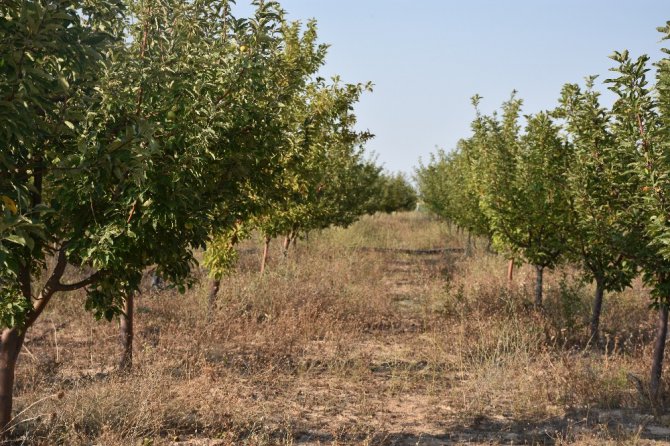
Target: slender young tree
{"x": 600, "y": 228}
{"x": 523, "y": 186}
{"x": 221, "y": 258}
{"x": 641, "y": 118}
{"x": 433, "y": 180}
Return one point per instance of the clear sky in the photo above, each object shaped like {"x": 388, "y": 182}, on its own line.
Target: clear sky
{"x": 426, "y": 58}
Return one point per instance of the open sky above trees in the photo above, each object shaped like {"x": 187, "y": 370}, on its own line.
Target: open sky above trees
{"x": 427, "y": 58}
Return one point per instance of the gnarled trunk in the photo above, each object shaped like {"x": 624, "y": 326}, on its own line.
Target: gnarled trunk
{"x": 510, "y": 272}
{"x": 539, "y": 273}
{"x": 127, "y": 333}
{"x": 597, "y": 309}
{"x": 657, "y": 362}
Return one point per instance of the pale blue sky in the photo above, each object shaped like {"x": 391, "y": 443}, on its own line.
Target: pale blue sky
{"x": 428, "y": 57}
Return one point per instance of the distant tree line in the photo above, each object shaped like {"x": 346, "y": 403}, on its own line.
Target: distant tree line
{"x": 393, "y": 193}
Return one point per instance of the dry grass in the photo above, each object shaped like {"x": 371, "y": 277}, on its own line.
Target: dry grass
{"x": 343, "y": 346}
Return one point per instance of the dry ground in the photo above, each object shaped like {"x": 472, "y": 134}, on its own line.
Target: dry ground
{"x": 341, "y": 345}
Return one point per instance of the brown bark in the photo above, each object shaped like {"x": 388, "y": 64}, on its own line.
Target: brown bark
{"x": 539, "y": 271}
{"x": 597, "y": 309}
{"x": 10, "y": 346}
{"x": 127, "y": 333}
{"x": 657, "y": 361}
{"x": 510, "y": 272}
{"x": 25, "y": 282}
{"x": 11, "y": 339}
{"x": 266, "y": 248}
{"x": 214, "y": 287}
{"x": 286, "y": 245}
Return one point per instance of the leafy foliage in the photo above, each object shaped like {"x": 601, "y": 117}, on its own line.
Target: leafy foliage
{"x": 393, "y": 192}
{"x": 449, "y": 187}
{"x": 599, "y": 214}
{"x": 523, "y": 183}
{"x": 332, "y": 181}
{"x": 137, "y": 132}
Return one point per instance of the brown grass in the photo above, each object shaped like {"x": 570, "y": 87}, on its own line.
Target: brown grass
{"x": 343, "y": 346}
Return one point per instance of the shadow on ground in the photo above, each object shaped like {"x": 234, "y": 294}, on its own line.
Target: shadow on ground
{"x": 612, "y": 425}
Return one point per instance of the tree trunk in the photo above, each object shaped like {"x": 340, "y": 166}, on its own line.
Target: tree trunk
{"x": 286, "y": 245}
{"x": 468, "y": 247}
{"x": 127, "y": 333}
{"x": 510, "y": 272}
{"x": 11, "y": 339}
{"x": 657, "y": 364}
{"x": 597, "y": 309}
{"x": 539, "y": 270}
{"x": 214, "y": 287}
{"x": 10, "y": 346}
{"x": 266, "y": 248}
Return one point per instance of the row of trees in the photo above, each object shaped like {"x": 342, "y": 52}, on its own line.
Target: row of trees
{"x": 136, "y": 132}
{"x": 582, "y": 183}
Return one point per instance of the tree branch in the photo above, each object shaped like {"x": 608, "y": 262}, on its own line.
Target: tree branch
{"x": 49, "y": 289}
{"x": 77, "y": 285}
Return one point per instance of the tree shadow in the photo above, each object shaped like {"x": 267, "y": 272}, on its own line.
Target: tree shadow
{"x": 616, "y": 425}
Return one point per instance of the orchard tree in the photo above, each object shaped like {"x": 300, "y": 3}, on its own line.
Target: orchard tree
{"x": 331, "y": 180}
{"x": 261, "y": 142}
{"x": 465, "y": 187}
{"x": 641, "y": 119}
{"x": 523, "y": 185}
{"x": 223, "y": 82}
{"x": 221, "y": 258}
{"x": 600, "y": 223}
{"x": 53, "y": 55}
{"x": 341, "y": 175}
